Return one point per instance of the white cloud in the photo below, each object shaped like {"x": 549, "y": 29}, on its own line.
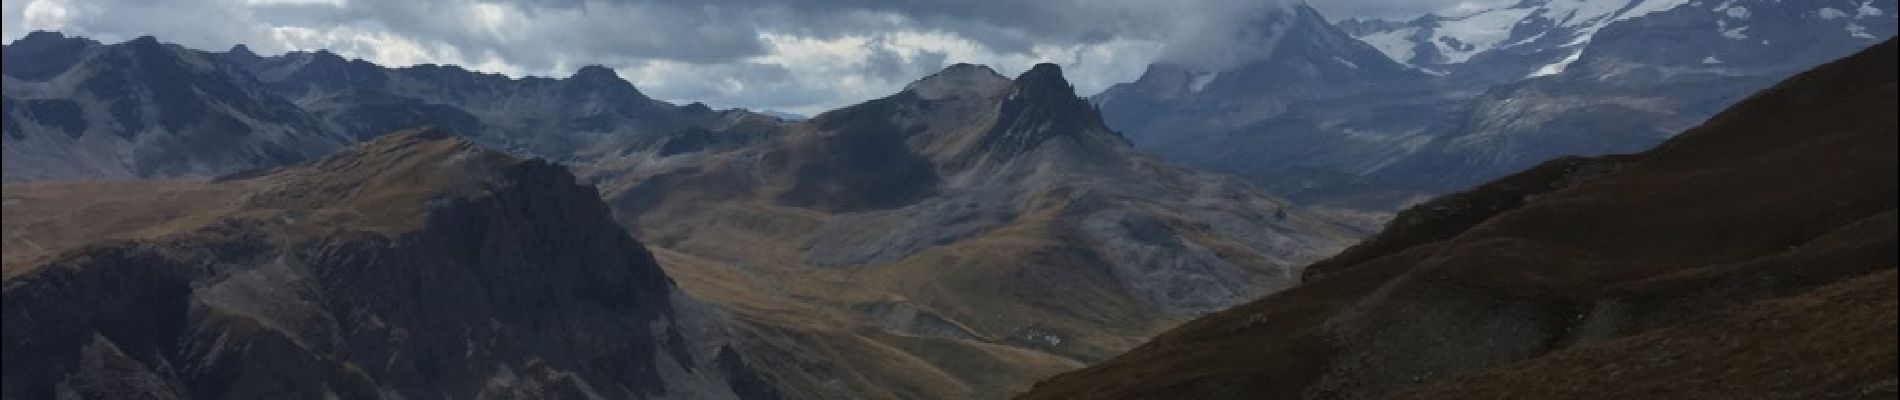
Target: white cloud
{"x": 46, "y": 15}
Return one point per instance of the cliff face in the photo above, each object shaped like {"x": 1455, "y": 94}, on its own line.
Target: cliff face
{"x": 1750, "y": 256}
{"x": 413, "y": 266}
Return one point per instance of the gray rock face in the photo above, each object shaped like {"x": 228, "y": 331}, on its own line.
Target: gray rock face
{"x": 519, "y": 286}
{"x": 77, "y": 109}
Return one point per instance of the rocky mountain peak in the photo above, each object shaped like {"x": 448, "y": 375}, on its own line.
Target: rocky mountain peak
{"x": 43, "y": 54}
{"x": 1044, "y": 80}
{"x": 597, "y": 80}
{"x": 958, "y": 81}
{"x": 1041, "y": 105}
{"x": 596, "y": 74}
{"x": 143, "y": 41}
{"x": 243, "y": 53}
{"x": 39, "y": 37}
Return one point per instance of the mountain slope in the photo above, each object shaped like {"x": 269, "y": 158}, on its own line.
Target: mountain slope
{"x": 141, "y": 109}
{"x": 984, "y": 229}
{"x": 412, "y": 266}
{"x": 1581, "y": 269}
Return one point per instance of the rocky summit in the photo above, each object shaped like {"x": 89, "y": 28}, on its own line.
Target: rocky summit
{"x": 971, "y": 219}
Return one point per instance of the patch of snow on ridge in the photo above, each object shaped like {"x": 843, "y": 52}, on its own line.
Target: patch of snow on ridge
{"x": 1459, "y": 38}
{"x": 1200, "y": 81}
{"x": 1858, "y": 32}
{"x": 1560, "y": 65}
{"x": 1867, "y": 9}
{"x": 1396, "y": 44}
{"x": 1476, "y": 34}
{"x": 1737, "y": 33}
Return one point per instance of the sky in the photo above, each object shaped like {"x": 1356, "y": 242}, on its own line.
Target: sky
{"x": 800, "y": 56}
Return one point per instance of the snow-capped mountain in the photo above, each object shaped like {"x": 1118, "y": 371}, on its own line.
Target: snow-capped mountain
{"x": 1186, "y": 112}
{"x": 1477, "y": 95}
{"x": 1543, "y": 37}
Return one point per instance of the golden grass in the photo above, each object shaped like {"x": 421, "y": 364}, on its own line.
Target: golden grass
{"x": 43, "y": 219}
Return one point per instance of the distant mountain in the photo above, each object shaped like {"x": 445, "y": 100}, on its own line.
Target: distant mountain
{"x": 142, "y": 109}
{"x": 1484, "y": 94}
{"x": 970, "y": 219}
{"x": 1529, "y": 38}
{"x": 415, "y": 265}
{"x": 77, "y": 109}
{"x": 587, "y": 114}
{"x": 1630, "y": 88}
{"x": 1544, "y": 37}
{"x": 956, "y": 239}
{"x": 1752, "y": 256}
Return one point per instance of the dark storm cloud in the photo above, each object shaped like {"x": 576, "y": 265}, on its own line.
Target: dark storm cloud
{"x": 752, "y": 53}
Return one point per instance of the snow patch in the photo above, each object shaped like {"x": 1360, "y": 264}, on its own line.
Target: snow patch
{"x": 1477, "y": 33}
{"x": 1650, "y": 7}
{"x": 1396, "y": 44}
{"x": 1858, "y": 32}
{"x": 1737, "y": 33}
{"x": 1867, "y": 9}
{"x": 1200, "y": 81}
{"x": 1348, "y": 64}
{"x": 1560, "y": 65}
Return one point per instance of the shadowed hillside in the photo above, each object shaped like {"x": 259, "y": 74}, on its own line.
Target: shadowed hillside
{"x": 1752, "y": 256}
{"x": 412, "y": 266}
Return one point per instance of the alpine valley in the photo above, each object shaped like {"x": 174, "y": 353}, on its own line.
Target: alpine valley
{"x": 190, "y": 223}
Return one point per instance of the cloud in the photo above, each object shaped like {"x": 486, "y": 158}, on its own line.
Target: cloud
{"x": 1402, "y": 9}
{"x": 801, "y": 56}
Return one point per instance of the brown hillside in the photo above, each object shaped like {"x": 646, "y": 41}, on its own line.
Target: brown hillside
{"x": 1750, "y": 257}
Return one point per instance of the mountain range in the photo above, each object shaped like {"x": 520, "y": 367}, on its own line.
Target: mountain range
{"x": 1473, "y": 97}
{"x": 1751, "y": 256}
{"x": 184, "y": 223}
{"x": 907, "y": 245}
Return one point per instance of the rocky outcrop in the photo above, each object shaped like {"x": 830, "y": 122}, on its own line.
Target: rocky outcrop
{"x": 413, "y": 266}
